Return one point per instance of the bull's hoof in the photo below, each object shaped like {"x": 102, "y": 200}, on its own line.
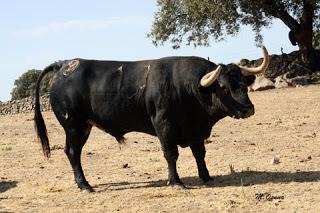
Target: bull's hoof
{"x": 176, "y": 184}
{"x": 88, "y": 189}
{"x": 207, "y": 179}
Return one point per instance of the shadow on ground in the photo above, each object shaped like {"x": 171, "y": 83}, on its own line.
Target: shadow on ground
{"x": 6, "y": 185}
{"x": 245, "y": 178}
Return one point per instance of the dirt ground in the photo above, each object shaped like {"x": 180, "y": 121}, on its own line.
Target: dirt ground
{"x": 267, "y": 163}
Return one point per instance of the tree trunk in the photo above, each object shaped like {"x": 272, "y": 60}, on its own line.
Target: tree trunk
{"x": 303, "y": 38}
{"x": 302, "y": 32}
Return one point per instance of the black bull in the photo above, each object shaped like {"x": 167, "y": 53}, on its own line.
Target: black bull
{"x": 177, "y": 99}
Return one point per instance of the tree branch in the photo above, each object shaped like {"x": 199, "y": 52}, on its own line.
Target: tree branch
{"x": 282, "y": 14}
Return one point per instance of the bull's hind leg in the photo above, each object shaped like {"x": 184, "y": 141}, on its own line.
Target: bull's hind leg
{"x": 76, "y": 137}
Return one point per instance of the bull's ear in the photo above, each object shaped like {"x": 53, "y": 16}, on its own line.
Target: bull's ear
{"x": 250, "y": 79}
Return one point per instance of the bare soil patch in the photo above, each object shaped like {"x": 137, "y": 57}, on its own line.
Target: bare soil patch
{"x": 267, "y": 163}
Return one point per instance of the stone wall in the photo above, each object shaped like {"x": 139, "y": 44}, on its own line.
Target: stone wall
{"x": 286, "y": 70}
{"x": 25, "y": 105}
{"x": 290, "y": 65}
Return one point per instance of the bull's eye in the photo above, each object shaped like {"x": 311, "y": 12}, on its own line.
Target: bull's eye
{"x": 224, "y": 88}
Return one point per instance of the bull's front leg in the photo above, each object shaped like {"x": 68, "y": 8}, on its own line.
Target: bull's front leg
{"x": 171, "y": 155}
{"x": 166, "y": 134}
{"x": 199, "y": 152}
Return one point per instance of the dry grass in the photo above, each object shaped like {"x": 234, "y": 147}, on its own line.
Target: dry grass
{"x": 240, "y": 158}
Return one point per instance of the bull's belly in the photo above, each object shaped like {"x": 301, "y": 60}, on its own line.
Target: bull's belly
{"x": 118, "y": 128}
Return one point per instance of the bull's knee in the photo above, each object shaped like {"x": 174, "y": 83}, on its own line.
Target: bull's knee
{"x": 170, "y": 156}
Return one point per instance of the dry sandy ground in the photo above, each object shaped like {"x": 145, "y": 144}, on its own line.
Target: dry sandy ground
{"x": 243, "y": 159}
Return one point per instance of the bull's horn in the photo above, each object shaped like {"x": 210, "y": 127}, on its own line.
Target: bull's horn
{"x": 257, "y": 70}
{"x": 210, "y": 77}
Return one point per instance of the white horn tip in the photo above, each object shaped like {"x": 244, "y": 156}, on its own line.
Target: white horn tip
{"x": 265, "y": 51}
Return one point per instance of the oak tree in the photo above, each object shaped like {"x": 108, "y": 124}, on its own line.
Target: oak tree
{"x": 25, "y": 85}
{"x": 197, "y": 21}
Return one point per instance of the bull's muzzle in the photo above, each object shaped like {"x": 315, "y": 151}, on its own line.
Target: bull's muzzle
{"x": 246, "y": 112}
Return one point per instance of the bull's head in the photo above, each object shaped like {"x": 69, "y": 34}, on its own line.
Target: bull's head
{"x": 229, "y": 87}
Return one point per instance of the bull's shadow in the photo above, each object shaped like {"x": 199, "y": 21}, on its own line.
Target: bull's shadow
{"x": 6, "y": 185}
{"x": 245, "y": 178}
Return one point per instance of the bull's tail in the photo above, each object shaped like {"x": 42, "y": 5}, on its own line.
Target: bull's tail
{"x": 39, "y": 124}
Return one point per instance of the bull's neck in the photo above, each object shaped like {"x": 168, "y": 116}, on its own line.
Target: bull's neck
{"x": 217, "y": 115}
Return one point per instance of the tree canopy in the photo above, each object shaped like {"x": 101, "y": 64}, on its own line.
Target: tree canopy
{"x": 25, "y": 85}
{"x": 197, "y": 21}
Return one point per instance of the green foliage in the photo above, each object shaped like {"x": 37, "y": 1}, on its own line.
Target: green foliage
{"x": 25, "y": 85}
{"x": 197, "y": 21}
